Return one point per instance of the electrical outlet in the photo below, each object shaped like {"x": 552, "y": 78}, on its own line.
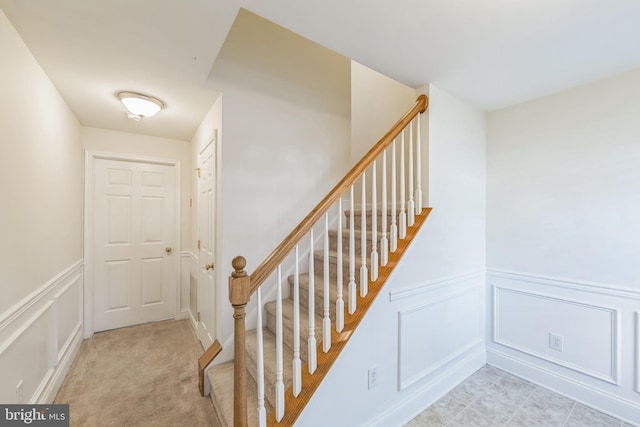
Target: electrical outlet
{"x": 373, "y": 378}
{"x": 556, "y": 342}
{"x": 19, "y": 394}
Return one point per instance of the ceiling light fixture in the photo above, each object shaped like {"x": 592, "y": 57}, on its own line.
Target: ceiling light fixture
{"x": 139, "y": 105}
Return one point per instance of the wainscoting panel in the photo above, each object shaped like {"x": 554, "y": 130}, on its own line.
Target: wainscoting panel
{"x": 188, "y": 286}
{"x": 579, "y": 338}
{"x": 68, "y": 300}
{"x": 436, "y": 332}
{"x": 39, "y": 338}
{"x": 527, "y": 322}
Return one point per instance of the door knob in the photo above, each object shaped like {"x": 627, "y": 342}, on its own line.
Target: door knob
{"x": 168, "y": 249}
{"x": 208, "y": 266}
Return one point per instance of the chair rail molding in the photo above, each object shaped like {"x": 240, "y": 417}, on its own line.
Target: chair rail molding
{"x": 562, "y": 282}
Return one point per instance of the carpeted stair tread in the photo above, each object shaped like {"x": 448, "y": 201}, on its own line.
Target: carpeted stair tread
{"x": 221, "y": 379}
{"x": 333, "y": 260}
{"x": 357, "y": 234}
{"x": 357, "y": 217}
{"x": 318, "y": 265}
{"x": 269, "y": 351}
{"x": 287, "y": 324}
{"x": 319, "y": 293}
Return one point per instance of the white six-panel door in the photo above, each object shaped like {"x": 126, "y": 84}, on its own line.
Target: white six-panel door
{"x": 206, "y": 235}
{"x": 134, "y": 274}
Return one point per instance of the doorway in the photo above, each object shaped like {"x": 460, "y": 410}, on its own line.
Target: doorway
{"x": 131, "y": 241}
{"x": 207, "y": 173}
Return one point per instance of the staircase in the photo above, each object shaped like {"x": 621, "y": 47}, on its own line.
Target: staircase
{"x": 331, "y": 288}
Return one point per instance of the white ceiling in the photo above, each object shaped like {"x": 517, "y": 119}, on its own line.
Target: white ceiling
{"x": 490, "y": 53}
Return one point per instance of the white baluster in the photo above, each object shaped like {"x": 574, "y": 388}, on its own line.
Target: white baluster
{"x": 411, "y": 208}
{"x": 326, "y": 319}
{"x": 418, "y": 171}
{"x": 339, "y": 280}
{"x": 384, "y": 242}
{"x": 311, "y": 350}
{"x": 262, "y": 412}
{"x": 352, "y": 255}
{"x": 364, "y": 273}
{"x": 374, "y": 224}
{"x": 393, "y": 230}
{"x": 402, "y": 226}
{"x": 279, "y": 364}
{"x": 297, "y": 363}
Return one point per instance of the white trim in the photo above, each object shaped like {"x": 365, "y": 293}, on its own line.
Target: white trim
{"x": 67, "y": 355}
{"x": 637, "y": 385}
{"x": 76, "y": 329}
{"x": 403, "y": 384}
{"x": 27, "y": 302}
{"x": 42, "y": 309}
{"x": 26, "y": 325}
{"x": 426, "y": 287}
{"x": 606, "y": 402}
{"x": 580, "y": 285}
{"x": 615, "y": 334}
{"x": 89, "y": 239}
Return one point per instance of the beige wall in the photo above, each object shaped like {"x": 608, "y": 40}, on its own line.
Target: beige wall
{"x": 40, "y": 175}
{"x": 286, "y": 136}
{"x": 377, "y": 102}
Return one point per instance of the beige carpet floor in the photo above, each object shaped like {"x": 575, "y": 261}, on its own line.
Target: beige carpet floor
{"x": 139, "y": 376}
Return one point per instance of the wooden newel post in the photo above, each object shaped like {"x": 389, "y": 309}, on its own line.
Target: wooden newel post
{"x": 239, "y": 287}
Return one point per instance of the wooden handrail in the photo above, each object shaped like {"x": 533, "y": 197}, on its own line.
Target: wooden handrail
{"x": 276, "y": 257}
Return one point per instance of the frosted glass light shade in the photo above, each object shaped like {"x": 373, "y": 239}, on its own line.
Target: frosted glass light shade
{"x": 139, "y": 105}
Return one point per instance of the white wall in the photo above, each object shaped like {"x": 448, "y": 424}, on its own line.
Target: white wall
{"x": 285, "y": 140}
{"x": 562, "y": 231}
{"x": 41, "y": 228}
{"x": 425, "y": 333}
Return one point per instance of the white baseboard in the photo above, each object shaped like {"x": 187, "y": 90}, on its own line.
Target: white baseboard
{"x": 601, "y": 400}
{"x": 431, "y": 392}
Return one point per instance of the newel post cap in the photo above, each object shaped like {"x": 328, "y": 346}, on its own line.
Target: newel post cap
{"x": 239, "y": 283}
{"x": 238, "y": 264}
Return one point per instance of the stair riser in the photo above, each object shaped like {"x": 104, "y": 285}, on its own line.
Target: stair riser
{"x": 333, "y": 244}
{"x": 269, "y": 383}
{"x": 318, "y": 265}
{"x": 357, "y": 220}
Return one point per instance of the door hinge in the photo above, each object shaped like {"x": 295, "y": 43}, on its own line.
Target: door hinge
{"x": 198, "y": 317}
{"x": 199, "y": 244}
{"x": 199, "y": 172}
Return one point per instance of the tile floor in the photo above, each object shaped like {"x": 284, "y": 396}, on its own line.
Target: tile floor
{"x": 492, "y": 397}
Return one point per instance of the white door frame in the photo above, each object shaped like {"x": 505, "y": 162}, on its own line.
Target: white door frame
{"x": 89, "y": 238}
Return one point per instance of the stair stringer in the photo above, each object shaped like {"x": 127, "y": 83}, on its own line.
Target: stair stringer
{"x": 310, "y": 383}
